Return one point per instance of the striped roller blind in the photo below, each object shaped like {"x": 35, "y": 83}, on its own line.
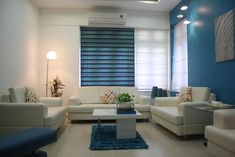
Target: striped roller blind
{"x": 107, "y": 56}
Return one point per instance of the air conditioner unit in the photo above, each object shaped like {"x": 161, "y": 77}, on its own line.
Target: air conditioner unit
{"x": 115, "y": 19}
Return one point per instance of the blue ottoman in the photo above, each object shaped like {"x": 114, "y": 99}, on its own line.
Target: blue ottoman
{"x": 27, "y": 142}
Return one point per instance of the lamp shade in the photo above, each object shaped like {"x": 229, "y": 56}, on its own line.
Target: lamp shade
{"x": 51, "y": 55}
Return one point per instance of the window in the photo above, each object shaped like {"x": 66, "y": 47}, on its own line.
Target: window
{"x": 180, "y": 57}
{"x": 151, "y": 58}
{"x": 107, "y": 56}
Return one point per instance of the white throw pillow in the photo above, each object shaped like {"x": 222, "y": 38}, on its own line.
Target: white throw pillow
{"x": 17, "y": 94}
{"x": 185, "y": 95}
{"x": 109, "y": 97}
{"x": 31, "y": 97}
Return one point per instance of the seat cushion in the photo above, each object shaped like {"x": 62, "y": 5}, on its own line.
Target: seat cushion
{"x": 222, "y": 137}
{"x": 54, "y": 114}
{"x": 88, "y": 108}
{"x": 169, "y": 114}
{"x": 143, "y": 107}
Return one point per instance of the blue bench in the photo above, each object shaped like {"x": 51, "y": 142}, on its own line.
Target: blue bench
{"x": 27, "y": 142}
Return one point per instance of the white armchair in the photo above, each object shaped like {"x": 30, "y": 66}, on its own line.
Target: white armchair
{"x": 182, "y": 119}
{"x": 20, "y": 115}
{"x": 221, "y": 136}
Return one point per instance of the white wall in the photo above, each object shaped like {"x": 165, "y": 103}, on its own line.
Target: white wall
{"x": 18, "y": 43}
{"x": 59, "y": 31}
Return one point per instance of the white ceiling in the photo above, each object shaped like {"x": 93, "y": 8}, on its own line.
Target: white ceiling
{"x": 163, "y": 5}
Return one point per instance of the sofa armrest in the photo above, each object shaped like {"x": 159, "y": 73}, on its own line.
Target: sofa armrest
{"x": 144, "y": 100}
{"x": 193, "y": 115}
{"x": 73, "y": 101}
{"x": 51, "y": 101}
{"x": 166, "y": 101}
{"x": 224, "y": 118}
{"x": 22, "y": 114}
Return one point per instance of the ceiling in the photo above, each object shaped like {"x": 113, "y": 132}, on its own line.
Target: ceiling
{"x": 163, "y": 5}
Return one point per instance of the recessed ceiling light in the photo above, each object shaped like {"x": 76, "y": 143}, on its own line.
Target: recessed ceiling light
{"x": 180, "y": 16}
{"x": 149, "y": 1}
{"x": 186, "y": 22}
{"x": 185, "y": 7}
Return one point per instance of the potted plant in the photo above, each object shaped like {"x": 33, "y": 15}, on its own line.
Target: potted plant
{"x": 125, "y": 102}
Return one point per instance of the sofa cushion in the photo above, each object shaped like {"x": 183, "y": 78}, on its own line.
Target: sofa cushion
{"x": 143, "y": 107}
{"x": 200, "y": 93}
{"x": 31, "y": 97}
{"x": 88, "y": 108}
{"x": 89, "y": 95}
{"x": 54, "y": 114}
{"x": 103, "y": 89}
{"x": 17, "y": 94}
{"x": 109, "y": 97}
{"x": 169, "y": 114}
{"x": 131, "y": 91}
{"x": 185, "y": 95}
{"x": 223, "y": 137}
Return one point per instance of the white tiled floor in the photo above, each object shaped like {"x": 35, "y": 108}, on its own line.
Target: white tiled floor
{"x": 74, "y": 141}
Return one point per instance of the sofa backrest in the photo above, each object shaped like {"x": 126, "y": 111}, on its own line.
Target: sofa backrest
{"x": 88, "y": 94}
{"x": 93, "y": 94}
{"x": 132, "y": 91}
{"x": 200, "y": 93}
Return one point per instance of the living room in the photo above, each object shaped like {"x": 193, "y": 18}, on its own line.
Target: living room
{"x": 32, "y": 28}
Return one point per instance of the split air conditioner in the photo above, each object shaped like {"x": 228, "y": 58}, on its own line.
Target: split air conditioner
{"x": 115, "y": 19}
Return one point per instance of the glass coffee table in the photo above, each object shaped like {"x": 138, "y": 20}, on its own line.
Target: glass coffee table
{"x": 125, "y": 123}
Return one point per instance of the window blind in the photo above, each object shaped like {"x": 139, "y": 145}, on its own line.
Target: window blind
{"x": 107, "y": 56}
{"x": 151, "y": 58}
{"x": 180, "y": 57}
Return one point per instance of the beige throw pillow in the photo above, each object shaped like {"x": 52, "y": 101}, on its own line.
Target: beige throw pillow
{"x": 31, "y": 97}
{"x": 185, "y": 95}
{"x": 109, "y": 97}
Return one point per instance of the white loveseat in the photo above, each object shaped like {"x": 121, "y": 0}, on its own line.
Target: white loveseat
{"x": 221, "y": 136}
{"x": 182, "y": 119}
{"x": 20, "y": 115}
{"x": 81, "y": 107}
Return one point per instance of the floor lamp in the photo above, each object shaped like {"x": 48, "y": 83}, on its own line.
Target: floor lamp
{"x": 51, "y": 55}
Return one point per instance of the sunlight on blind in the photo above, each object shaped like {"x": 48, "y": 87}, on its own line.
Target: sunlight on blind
{"x": 151, "y": 58}
{"x": 180, "y": 57}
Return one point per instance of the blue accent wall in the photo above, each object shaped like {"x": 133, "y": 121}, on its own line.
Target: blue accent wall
{"x": 202, "y": 66}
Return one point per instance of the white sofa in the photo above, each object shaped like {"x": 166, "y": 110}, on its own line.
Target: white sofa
{"x": 221, "y": 136}
{"x": 81, "y": 107}
{"x": 182, "y": 119}
{"x": 20, "y": 115}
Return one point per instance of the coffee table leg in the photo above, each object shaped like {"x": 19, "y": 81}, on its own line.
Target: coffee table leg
{"x": 126, "y": 128}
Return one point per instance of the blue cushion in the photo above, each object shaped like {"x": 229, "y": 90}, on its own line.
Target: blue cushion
{"x": 24, "y": 142}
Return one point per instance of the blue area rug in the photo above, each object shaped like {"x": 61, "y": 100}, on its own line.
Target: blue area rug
{"x": 105, "y": 139}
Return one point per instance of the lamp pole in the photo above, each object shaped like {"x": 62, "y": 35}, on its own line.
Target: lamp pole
{"x": 47, "y": 77}
{"x": 50, "y": 55}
